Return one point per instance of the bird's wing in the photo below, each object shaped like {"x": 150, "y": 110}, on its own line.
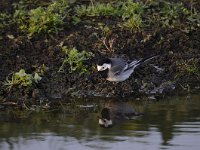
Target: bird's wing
{"x": 133, "y": 64}
{"x": 118, "y": 61}
{"x": 118, "y": 65}
{"x": 116, "y": 70}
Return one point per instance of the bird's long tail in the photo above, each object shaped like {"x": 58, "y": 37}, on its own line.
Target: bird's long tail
{"x": 136, "y": 63}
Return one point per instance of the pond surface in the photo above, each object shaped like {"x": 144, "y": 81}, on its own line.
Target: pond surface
{"x": 173, "y": 123}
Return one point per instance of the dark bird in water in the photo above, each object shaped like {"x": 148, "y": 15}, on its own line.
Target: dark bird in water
{"x": 115, "y": 112}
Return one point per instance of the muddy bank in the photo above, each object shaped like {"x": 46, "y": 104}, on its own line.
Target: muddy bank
{"x": 176, "y": 68}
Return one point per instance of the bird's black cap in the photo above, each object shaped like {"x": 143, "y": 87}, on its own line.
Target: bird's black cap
{"x": 105, "y": 113}
{"x": 103, "y": 60}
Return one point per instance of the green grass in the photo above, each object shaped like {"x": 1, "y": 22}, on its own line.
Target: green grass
{"x": 96, "y": 10}
{"x": 47, "y": 19}
{"x": 188, "y": 67}
{"x": 135, "y": 22}
{"x": 51, "y": 17}
{"x": 129, "y": 13}
{"x": 106, "y": 30}
{"x": 171, "y": 15}
{"x": 32, "y": 18}
{"x": 5, "y": 20}
{"x": 121, "y": 9}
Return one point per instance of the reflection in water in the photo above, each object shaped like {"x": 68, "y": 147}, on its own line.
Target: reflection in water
{"x": 170, "y": 124}
{"x": 115, "y": 112}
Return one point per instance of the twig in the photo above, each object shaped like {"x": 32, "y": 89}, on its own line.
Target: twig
{"x": 108, "y": 46}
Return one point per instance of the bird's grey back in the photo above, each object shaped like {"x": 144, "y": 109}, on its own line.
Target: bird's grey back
{"x": 118, "y": 64}
{"x": 118, "y": 61}
{"x": 120, "y": 109}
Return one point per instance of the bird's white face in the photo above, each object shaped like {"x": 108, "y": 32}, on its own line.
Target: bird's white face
{"x": 103, "y": 67}
{"x": 106, "y": 123}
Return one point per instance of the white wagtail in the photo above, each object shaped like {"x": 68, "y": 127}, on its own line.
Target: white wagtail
{"x": 117, "y": 69}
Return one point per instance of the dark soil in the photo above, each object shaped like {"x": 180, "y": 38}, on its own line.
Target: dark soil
{"x": 164, "y": 75}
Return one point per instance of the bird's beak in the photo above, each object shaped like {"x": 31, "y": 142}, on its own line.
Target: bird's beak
{"x": 98, "y": 68}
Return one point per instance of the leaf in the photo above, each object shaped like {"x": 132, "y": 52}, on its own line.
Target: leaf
{"x": 37, "y": 77}
{"x": 21, "y": 73}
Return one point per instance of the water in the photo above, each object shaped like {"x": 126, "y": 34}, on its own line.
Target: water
{"x": 173, "y": 123}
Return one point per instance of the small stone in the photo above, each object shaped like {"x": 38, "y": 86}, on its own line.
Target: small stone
{"x": 137, "y": 99}
{"x": 2, "y": 107}
{"x": 152, "y": 97}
